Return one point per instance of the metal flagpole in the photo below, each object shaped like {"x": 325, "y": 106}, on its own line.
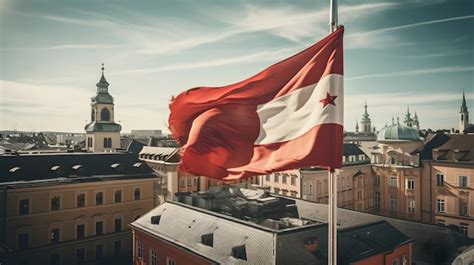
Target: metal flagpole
{"x": 332, "y": 182}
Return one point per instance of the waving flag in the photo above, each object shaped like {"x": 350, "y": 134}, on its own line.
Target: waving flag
{"x": 288, "y": 116}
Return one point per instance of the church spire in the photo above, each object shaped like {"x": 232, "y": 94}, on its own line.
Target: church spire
{"x": 103, "y": 85}
{"x": 464, "y": 105}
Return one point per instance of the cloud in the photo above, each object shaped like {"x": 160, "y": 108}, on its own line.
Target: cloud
{"x": 447, "y": 69}
{"x": 253, "y": 57}
{"x": 413, "y": 25}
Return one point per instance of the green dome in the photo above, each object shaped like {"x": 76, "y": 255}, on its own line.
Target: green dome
{"x": 398, "y": 132}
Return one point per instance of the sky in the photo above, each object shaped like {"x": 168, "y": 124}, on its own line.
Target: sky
{"x": 398, "y": 54}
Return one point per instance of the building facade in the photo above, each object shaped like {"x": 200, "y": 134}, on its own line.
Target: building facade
{"x": 102, "y": 133}
{"x": 72, "y": 208}
{"x": 448, "y": 178}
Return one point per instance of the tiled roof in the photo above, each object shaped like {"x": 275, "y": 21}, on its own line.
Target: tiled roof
{"x": 30, "y": 168}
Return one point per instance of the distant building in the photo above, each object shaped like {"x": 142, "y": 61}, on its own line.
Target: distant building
{"x": 397, "y": 175}
{"x": 366, "y": 134}
{"x": 146, "y": 133}
{"x": 103, "y": 134}
{"x": 72, "y": 208}
{"x": 355, "y": 187}
{"x": 229, "y": 225}
{"x": 354, "y": 181}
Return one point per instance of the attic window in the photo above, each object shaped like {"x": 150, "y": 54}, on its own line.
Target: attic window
{"x": 76, "y": 167}
{"x": 208, "y": 239}
{"x": 55, "y": 168}
{"x": 239, "y": 252}
{"x": 155, "y": 220}
{"x": 15, "y": 169}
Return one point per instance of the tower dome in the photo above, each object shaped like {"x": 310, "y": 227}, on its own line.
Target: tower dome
{"x": 398, "y": 132}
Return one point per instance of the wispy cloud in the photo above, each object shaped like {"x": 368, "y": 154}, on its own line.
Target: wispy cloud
{"x": 253, "y": 57}
{"x": 447, "y": 69}
{"x": 407, "y": 26}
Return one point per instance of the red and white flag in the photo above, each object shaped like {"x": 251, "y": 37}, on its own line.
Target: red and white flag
{"x": 288, "y": 116}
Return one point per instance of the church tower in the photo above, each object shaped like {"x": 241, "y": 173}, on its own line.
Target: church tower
{"x": 366, "y": 122}
{"x": 416, "y": 123}
{"x": 103, "y": 134}
{"x": 463, "y": 115}
{"x": 408, "y": 120}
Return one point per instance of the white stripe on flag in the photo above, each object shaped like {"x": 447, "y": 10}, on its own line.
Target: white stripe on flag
{"x": 292, "y": 115}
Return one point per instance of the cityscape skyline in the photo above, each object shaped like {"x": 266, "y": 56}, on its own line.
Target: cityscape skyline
{"x": 158, "y": 49}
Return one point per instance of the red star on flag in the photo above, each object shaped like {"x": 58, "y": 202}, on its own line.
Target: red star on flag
{"x": 328, "y": 100}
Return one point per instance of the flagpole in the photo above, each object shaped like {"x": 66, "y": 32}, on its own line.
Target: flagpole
{"x": 332, "y": 182}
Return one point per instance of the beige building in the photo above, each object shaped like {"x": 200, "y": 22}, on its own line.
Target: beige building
{"x": 397, "y": 175}
{"x": 103, "y": 134}
{"x": 354, "y": 181}
{"x": 72, "y": 208}
{"x": 287, "y": 183}
{"x": 448, "y": 178}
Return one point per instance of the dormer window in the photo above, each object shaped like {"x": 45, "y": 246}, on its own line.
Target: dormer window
{"x": 208, "y": 239}
{"x": 239, "y": 252}
{"x": 155, "y": 220}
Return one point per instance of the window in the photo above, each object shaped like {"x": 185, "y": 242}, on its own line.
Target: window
{"x": 117, "y": 248}
{"x": 170, "y": 261}
{"x": 441, "y": 222}
{"x": 208, "y": 240}
{"x": 393, "y": 203}
{"x": 239, "y": 252}
{"x": 463, "y": 181}
{"x": 81, "y": 200}
{"x": 99, "y": 228}
{"x": 137, "y": 194}
{"x": 310, "y": 189}
{"x": 55, "y": 203}
{"x": 54, "y": 236}
{"x": 439, "y": 179}
{"x": 24, "y": 207}
{"x": 55, "y": 259}
{"x": 464, "y": 229}
{"x": 99, "y": 251}
{"x": 276, "y": 177}
{"x": 196, "y": 181}
{"x": 80, "y": 255}
{"x": 109, "y": 142}
{"x": 105, "y": 114}
{"x": 267, "y": 177}
{"x": 293, "y": 180}
{"x": 377, "y": 180}
{"x": 117, "y": 225}
{"x": 410, "y": 184}
{"x": 411, "y": 204}
{"x": 153, "y": 257}
{"x": 105, "y": 143}
{"x": 80, "y": 231}
{"x": 361, "y": 157}
{"x": 140, "y": 250}
{"x": 393, "y": 181}
{"x": 440, "y": 206}
{"x": 23, "y": 241}
{"x": 99, "y": 198}
{"x": 463, "y": 209}
{"x": 182, "y": 183}
{"x": 118, "y": 196}
{"x": 404, "y": 260}
{"x": 352, "y": 158}
{"x": 359, "y": 195}
{"x": 284, "y": 178}
{"x": 395, "y": 261}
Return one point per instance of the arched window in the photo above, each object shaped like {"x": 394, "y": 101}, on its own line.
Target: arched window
{"x": 105, "y": 143}
{"x": 93, "y": 115}
{"x": 105, "y": 114}
{"x": 109, "y": 142}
